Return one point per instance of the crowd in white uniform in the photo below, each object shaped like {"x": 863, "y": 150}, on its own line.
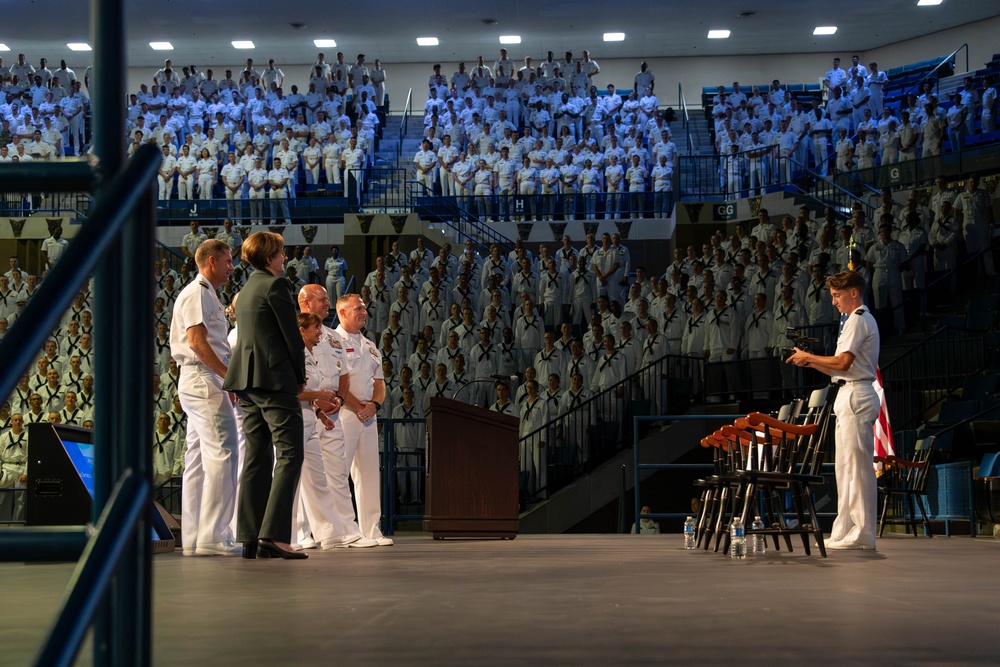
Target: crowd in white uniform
{"x": 854, "y": 127}
{"x": 244, "y": 138}
{"x": 241, "y": 139}
{"x": 575, "y": 320}
{"x": 543, "y": 133}
{"x": 42, "y": 111}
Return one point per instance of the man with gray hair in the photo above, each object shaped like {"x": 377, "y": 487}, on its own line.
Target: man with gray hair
{"x": 199, "y": 345}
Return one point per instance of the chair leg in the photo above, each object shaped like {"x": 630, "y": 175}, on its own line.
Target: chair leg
{"x": 885, "y": 509}
{"x": 814, "y": 518}
{"x": 927, "y": 524}
{"x": 720, "y": 527}
{"x": 779, "y": 510}
{"x": 795, "y": 491}
{"x": 912, "y": 521}
{"x": 710, "y": 518}
{"x": 700, "y": 527}
{"x": 775, "y": 518}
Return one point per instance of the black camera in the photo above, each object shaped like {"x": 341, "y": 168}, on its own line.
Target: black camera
{"x": 800, "y": 340}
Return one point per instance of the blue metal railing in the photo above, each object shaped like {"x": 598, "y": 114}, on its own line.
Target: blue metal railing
{"x": 947, "y": 60}
{"x": 391, "y": 469}
{"x": 638, "y": 467}
{"x": 686, "y": 117}
{"x": 467, "y": 224}
{"x": 93, "y": 574}
{"x": 121, "y": 254}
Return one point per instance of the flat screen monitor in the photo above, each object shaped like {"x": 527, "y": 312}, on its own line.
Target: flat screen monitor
{"x": 82, "y": 457}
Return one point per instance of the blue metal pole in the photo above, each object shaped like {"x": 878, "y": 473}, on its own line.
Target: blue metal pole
{"x": 94, "y": 572}
{"x": 132, "y": 598}
{"x": 107, "y": 21}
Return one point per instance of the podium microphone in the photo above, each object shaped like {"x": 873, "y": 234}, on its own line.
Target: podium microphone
{"x": 492, "y": 378}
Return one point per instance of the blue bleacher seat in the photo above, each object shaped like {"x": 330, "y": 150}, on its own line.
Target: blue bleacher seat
{"x": 979, "y": 388}
{"x": 953, "y": 412}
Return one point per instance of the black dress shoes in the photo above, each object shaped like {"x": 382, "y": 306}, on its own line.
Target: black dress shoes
{"x": 250, "y": 549}
{"x": 271, "y": 549}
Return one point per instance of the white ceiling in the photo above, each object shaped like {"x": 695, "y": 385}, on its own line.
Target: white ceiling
{"x": 201, "y": 30}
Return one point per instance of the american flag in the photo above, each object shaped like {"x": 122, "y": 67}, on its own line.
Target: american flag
{"x": 883, "y": 429}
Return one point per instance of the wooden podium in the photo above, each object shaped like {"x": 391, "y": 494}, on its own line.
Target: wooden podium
{"x": 472, "y": 472}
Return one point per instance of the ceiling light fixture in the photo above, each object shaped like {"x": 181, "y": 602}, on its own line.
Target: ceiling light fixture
{"x": 78, "y": 46}
{"x": 929, "y": 3}
{"x": 161, "y": 46}
{"x": 718, "y": 34}
{"x": 614, "y": 37}
{"x": 825, "y": 30}
{"x": 243, "y": 44}
{"x": 427, "y": 41}
{"x": 325, "y": 43}
{"x": 510, "y": 39}
{"x": 4, "y": 47}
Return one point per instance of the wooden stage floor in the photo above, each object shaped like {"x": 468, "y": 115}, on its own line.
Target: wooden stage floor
{"x": 555, "y": 599}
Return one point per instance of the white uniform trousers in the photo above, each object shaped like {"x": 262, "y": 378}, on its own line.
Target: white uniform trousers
{"x": 210, "y": 464}
{"x": 361, "y": 451}
{"x": 335, "y": 287}
{"x": 332, "y": 168}
{"x": 856, "y": 409}
{"x": 257, "y": 205}
{"x": 234, "y": 207}
{"x": 166, "y": 186}
{"x": 336, "y": 468}
{"x": 205, "y": 185}
{"x": 535, "y": 463}
{"x": 241, "y": 448}
{"x": 316, "y": 496}
{"x": 185, "y": 187}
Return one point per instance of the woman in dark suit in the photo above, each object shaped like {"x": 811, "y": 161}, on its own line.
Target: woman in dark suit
{"x": 266, "y": 371}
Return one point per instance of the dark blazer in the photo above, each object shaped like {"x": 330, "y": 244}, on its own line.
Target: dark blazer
{"x": 269, "y": 352}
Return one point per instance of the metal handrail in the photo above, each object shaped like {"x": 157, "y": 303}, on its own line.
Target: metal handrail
{"x": 903, "y": 407}
{"x": 589, "y": 405}
{"x": 407, "y": 110}
{"x": 96, "y": 235}
{"x": 869, "y": 209}
{"x": 418, "y": 189}
{"x": 967, "y": 420}
{"x": 93, "y": 574}
{"x": 947, "y": 59}
{"x": 687, "y": 118}
{"x": 914, "y": 347}
{"x": 910, "y": 299}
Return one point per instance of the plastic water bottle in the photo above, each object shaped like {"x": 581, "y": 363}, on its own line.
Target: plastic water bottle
{"x": 689, "y": 533}
{"x": 759, "y": 544}
{"x": 737, "y": 539}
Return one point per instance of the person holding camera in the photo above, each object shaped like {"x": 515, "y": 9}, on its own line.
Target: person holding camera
{"x": 853, "y": 368}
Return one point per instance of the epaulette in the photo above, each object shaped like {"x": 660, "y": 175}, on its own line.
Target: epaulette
{"x": 859, "y": 311}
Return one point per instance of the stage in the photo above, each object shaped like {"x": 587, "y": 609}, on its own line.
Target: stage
{"x": 555, "y": 599}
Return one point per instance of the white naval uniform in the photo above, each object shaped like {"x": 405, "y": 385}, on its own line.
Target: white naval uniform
{"x": 364, "y": 364}
{"x": 210, "y": 462}
{"x": 13, "y": 464}
{"x": 534, "y": 454}
{"x": 856, "y": 408}
{"x": 323, "y": 487}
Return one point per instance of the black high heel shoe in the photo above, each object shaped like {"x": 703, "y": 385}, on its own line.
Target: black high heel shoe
{"x": 250, "y": 549}
{"x": 269, "y": 549}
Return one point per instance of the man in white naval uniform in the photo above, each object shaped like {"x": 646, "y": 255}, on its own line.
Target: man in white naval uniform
{"x": 326, "y": 493}
{"x": 853, "y": 367}
{"x": 199, "y": 346}
{"x": 363, "y": 394}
